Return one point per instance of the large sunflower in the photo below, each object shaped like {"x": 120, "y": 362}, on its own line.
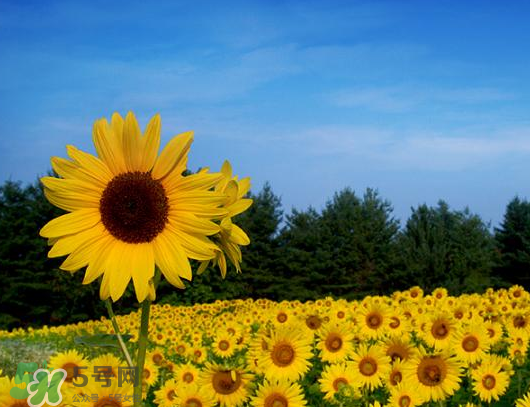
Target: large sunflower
{"x": 279, "y": 394}
{"x": 131, "y": 209}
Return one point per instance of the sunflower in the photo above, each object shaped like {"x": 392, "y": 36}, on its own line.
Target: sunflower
{"x": 399, "y": 349}
{"x": 434, "y": 376}
{"x": 370, "y": 366}
{"x": 440, "y": 329}
{"x": 150, "y": 373}
{"x": 6, "y": 400}
{"x": 186, "y": 374}
{"x": 193, "y": 396}
{"x": 73, "y": 362}
{"x": 471, "y": 343}
{"x": 489, "y": 382}
{"x": 224, "y": 345}
{"x": 334, "y": 377}
{"x": 403, "y": 396}
{"x": 373, "y": 319}
{"x": 166, "y": 396}
{"x": 229, "y": 386}
{"x": 279, "y": 394}
{"x": 287, "y": 355}
{"x": 106, "y": 366}
{"x": 130, "y": 209}
{"x": 335, "y": 342}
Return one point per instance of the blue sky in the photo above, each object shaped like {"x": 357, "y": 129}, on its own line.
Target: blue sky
{"x": 420, "y": 100}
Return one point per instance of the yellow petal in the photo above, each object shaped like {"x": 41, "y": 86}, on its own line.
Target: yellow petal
{"x": 143, "y": 268}
{"x": 150, "y": 144}
{"x": 73, "y": 187}
{"x": 171, "y": 258}
{"x": 71, "y": 223}
{"x": 67, "y": 244}
{"x": 239, "y": 206}
{"x": 238, "y": 236}
{"x": 70, "y": 202}
{"x": 244, "y": 187}
{"x": 81, "y": 256}
{"x": 93, "y": 166}
{"x": 170, "y": 157}
{"x": 200, "y": 180}
{"x": 188, "y": 222}
{"x": 132, "y": 144}
{"x": 107, "y": 141}
{"x": 197, "y": 247}
{"x": 118, "y": 265}
{"x": 96, "y": 267}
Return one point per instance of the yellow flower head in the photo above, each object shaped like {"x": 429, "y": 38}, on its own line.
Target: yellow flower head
{"x": 131, "y": 209}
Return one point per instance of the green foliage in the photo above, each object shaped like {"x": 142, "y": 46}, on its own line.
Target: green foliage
{"x": 513, "y": 242}
{"x": 440, "y": 247}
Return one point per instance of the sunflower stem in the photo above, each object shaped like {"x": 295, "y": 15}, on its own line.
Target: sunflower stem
{"x": 123, "y": 347}
{"x": 142, "y": 347}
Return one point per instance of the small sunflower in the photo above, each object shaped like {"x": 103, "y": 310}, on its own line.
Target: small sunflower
{"x": 224, "y": 345}
{"x": 489, "y": 382}
{"x": 131, "y": 209}
{"x": 228, "y": 386}
{"x": 434, "y": 376}
{"x": 335, "y": 342}
{"x": 287, "y": 355}
{"x": 166, "y": 396}
{"x": 403, "y": 396}
{"x": 471, "y": 343}
{"x": 279, "y": 394}
{"x": 186, "y": 374}
{"x": 370, "y": 366}
{"x": 334, "y": 377}
{"x": 372, "y": 319}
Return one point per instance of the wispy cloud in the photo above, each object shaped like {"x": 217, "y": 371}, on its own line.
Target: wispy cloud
{"x": 405, "y": 98}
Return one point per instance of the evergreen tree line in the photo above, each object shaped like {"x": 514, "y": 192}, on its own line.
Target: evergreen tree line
{"x": 351, "y": 248}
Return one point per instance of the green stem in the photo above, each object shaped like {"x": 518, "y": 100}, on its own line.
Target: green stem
{"x": 142, "y": 346}
{"x": 123, "y": 347}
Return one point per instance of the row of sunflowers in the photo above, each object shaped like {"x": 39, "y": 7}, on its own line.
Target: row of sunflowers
{"x": 405, "y": 350}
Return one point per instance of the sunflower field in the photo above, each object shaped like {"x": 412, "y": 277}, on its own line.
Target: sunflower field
{"x": 408, "y": 349}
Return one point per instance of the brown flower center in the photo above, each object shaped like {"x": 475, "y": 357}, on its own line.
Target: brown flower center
{"x": 404, "y": 401}
{"x": 282, "y": 354}
{"x": 519, "y": 322}
{"x": 134, "y": 207}
{"x": 171, "y": 395}
{"x": 488, "y": 382}
{"x": 276, "y": 400}
{"x": 281, "y": 317}
{"x": 395, "y": 378}
{"x": 313, "y": 322}
{"x": 224, "y": 344}
{"x": 70, "y": 371}
{"x": 187, "y": 377}
{"x": 367, "y": 366}
{"x": 193, "y": 402}
{"x": 339, "y": 382}
{"x": 224, "y": 384}
{"x": 333, "y": 342}
{"x": 395, "y": 322}
{"x": 107, "y": 402}
{"x": 440, "y": 329}
{"x": 374, "y": 320}
{"x": 431, "y": 371}
{"x": 470, "y": 343}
